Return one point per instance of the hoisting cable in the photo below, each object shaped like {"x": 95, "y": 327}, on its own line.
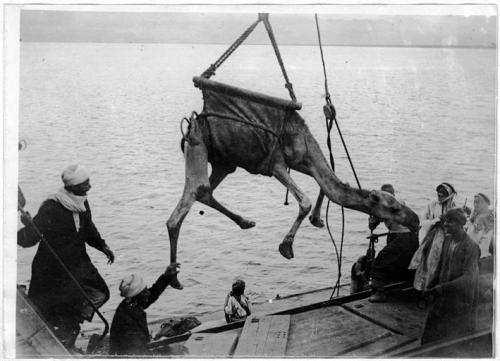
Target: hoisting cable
{"x": 267, "y": 24}
{"x": 213, "y": 67}
{"x": 288, "y": 85}
{"x": 27, "y": 216}
{"x": 330, "y": 117}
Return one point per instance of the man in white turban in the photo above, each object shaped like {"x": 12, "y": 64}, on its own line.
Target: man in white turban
{"x": 66, "y": 223}
{"x": 129, "y": 333}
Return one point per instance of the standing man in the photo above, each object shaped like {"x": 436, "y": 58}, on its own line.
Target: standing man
{"x": 65, "y": 221}
{"x": 391, "y": 263}
{"x": 455, "y": 284}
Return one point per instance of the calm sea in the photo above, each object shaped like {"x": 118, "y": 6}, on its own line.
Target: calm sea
{"x": 413, "y": 117}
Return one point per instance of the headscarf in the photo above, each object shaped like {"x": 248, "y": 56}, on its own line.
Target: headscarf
{"x": 131, "y": 285}
{"x": 74, "y": 174}
{"x": 448, "y": 188}
{"x": 486, "y": 199}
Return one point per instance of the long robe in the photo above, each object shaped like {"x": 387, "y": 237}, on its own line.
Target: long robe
{"x": 391, "y": 263}
{"x": 51, "y": 289}
{"x": 426, "y": 258}
{"x": 453, "y": 313}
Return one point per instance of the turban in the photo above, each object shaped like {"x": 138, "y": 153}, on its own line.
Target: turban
{"x": 447, "y": 187}
{"x": 131, "y": 286}
{"x": 456, "y": 215}
{"x": 74, "y": 174}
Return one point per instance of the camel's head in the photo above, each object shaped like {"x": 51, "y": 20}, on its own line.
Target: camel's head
{"x": 385, "y": 206}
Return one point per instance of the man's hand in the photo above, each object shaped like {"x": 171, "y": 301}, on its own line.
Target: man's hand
{"x": 172, "y": 270}
{"x": 467, "y": 210}
{"x": 109, "y": 253}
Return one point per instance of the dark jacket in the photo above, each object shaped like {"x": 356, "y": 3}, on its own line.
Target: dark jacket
{"x": 129, "y": 333}
{"x": 453, "y": 312}
{"x": 51, "y": 289}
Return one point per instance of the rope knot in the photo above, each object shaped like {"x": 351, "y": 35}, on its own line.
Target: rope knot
{"x": 329, "y": 111}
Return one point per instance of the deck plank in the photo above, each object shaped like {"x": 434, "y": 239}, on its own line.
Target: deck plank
{"x": 264, "y": 336}
{"x": 34, "y": 336}
{"x": 401, "y": 314}
{"x": 212, "y": 344}
{"x": 314, "y": 333}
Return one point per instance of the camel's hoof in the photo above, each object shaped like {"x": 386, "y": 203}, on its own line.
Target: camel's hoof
{"x": 286, "y": 250}
{"x": 244, "y": 224}
{"x": 316, "y": 222}
{"x": 174, "y": 283}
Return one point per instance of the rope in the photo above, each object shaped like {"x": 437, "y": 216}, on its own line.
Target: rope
{"x": 213, "y": 67}
{"x": 288, "y": 85}
{"x": 330, "y": 117}
{"x": 236, "y": 119}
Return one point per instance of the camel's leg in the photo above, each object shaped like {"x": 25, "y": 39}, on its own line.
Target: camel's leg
{"x": 315, "y": 217}
{"x": 195, "y": 187}
{"x": 218, "y": 174}
{"x": 281, "y": 173}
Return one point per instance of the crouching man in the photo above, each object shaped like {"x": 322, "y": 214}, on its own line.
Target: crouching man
{"x": 129, "y": 330}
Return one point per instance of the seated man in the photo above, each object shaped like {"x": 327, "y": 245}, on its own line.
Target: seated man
{"x": 129, "y": 333}
{"x": 237, "y": 305}
{"x": 391, "y": 263}
{"x": 455, "y": 285}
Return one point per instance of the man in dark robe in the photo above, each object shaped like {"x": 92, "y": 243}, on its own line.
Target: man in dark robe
{"x": 391, "y": 263}
{"x": 129, "y": 330}
{"x": 455, "y": 285}
{"x": 65, "y": 221}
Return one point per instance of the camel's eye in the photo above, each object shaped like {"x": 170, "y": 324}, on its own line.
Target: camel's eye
{"x": 374, "y": 197}
{"x": 394, "y": 210}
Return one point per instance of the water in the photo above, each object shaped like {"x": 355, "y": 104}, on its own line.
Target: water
{"x": 410, "y": 116}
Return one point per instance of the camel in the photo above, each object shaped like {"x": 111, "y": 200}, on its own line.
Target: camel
{"x": 266, "y": 136}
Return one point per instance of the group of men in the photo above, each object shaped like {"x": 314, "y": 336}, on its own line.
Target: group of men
{"x": 64, "y": 280}
{"x": 444, "y": 267}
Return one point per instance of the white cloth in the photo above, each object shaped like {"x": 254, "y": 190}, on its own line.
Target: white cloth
{"x": 131, "y": 285}
{"x": 433, "y": 212}
{"x": 74, "y": 174}
{"x": 425, "y": 263}
{"x": 72, "y": 202}
{"x": 482, "y": 231}
{"x": 234, "y": 309}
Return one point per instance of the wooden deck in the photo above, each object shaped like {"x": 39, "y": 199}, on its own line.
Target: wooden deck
{"x": 348, "y": 326}
{"x": 33, "y": 337}
{"x": 354, "y": 328}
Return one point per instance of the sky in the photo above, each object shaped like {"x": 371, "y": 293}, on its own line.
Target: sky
{"x": 433, "y": 25}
